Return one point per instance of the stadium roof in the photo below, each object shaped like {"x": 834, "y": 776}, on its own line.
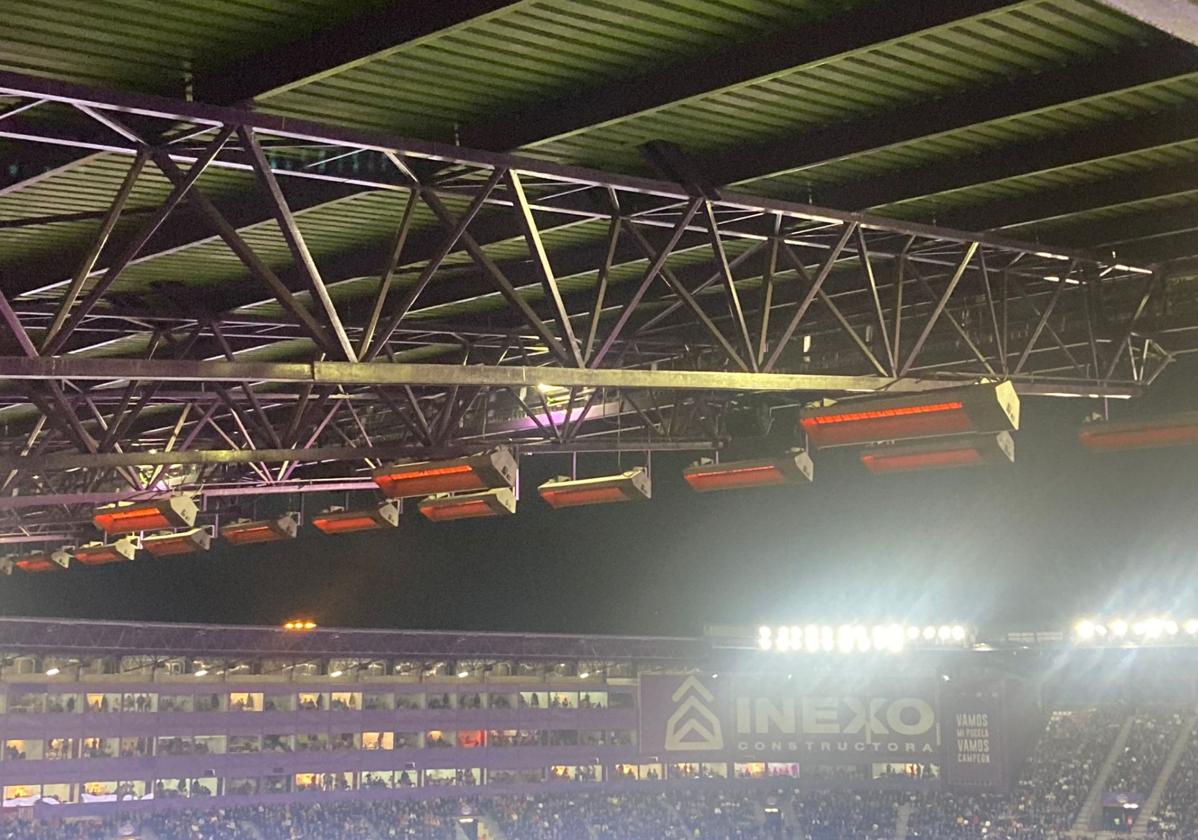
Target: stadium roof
{"x": 1064, "y": 125}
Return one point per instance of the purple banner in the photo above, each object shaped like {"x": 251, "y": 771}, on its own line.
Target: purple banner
{"x": 974, "y": 754}
{"x": 761, "y": 719}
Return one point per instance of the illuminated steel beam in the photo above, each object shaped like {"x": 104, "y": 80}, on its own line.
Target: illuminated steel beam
{"x": 357, "y": 373}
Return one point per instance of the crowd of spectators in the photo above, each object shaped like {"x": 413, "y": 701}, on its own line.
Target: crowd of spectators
{"x": 1062, "y": 767}
{"x": 1176, "y": 816}
{"x": 1152, "y": 735}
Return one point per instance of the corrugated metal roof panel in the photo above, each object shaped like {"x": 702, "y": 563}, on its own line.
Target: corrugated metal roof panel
{"x": 149, "y": 45}
{"x": 532, "y": 51}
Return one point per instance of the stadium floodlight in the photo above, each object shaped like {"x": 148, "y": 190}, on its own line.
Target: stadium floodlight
{"x": 485, "y": 471}
{"x": 299, "y": 624}
{"x": 940, "y": 454}
{"x": 706, "y": 475}
{"x": 630, "y": 486}
{"x": 1099, "y": 435}
{"x": 1191, "y": 627}
{"x": 191, "y": 541}
{"x": 973, "y": 409}
{"x": 338, "y": 520}
{"x": 247, "y": 532}
{"x": 445, "y": 507}
{"x": 176, "y": 511}
{"x": 101, "y": 554}
{"x": 40, "y": 561}
{"x": 1119, "y": 628}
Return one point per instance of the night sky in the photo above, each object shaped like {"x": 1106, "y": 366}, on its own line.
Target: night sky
{"x": 1030, "y": 547}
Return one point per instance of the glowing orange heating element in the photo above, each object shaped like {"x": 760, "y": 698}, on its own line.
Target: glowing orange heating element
{"x": 450, "y": 479}
{"x": 585, "y": 496}
{"x": 719, "y": 479}
{"x": 960, "y": 457}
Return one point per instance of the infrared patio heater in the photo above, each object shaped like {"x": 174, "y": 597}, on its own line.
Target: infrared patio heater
{"x": 468, "y": 487}
{"x": 37, "y": 562}
{"x": 102, "y": 554}
{"x": 252, "y": 532}
{"x": 155, "y": 515}
{"x": 629, "y": 486}
{"x": 1099, "y": 435}
{"x": 937, "y": 429}
{"x": 707, "y": 475}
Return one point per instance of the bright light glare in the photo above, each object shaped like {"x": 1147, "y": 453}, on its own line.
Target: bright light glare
{"x": 958, "y": 633}
{"x": 929, "y": 633}
{"x": 1119, "y": 627}
{"x": 336, "y": 674}
{"x": 52, "y": 672}
{"x": 764, "y": 632}
{"x": 1084, "y": 630}
{"x": 203, "y": 672}
{"x": 765, "y": 642}
{"x": 1191, "y": 626}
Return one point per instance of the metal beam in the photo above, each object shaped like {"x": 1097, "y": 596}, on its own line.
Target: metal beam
{"x": 399, "y": 374}
{"x": 779, "y": 51}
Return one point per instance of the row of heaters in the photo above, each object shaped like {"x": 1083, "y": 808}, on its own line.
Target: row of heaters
{"x": 957, "y": 427}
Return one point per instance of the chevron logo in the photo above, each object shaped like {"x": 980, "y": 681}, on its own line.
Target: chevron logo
{"x": 693, "y": 725}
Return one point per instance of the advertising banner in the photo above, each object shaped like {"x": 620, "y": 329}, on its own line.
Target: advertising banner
{"x": 761, "y": 719}
{"x": 973, "y": 735}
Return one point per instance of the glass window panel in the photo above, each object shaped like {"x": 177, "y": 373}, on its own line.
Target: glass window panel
{"x": 27, "y": 703}
{"x": 344, "y": 741}
{"x": 409, "y": 701}
{"x": 98, "y": 791}
{"x": 378, "y": 701}
{"x": 58, "y": 794}
{"x": 278, "y": 743}
{"x": 209, "y": 744}
{"x": 312, "y": 701}
{"x": 21, "y": 795}
{"x": 444, "y": 700}
{"x": 592, "y": 700}
{"x": 378, "y": 740}
{"x": 103, "y": 702}
{"x": 60, "y": 704}
{"x": 409, "y": 740}
{"x": 276, "y": 784}
{"x": 140, "y": 702}
{"x": 377, "y": 780}
{"x": 534, "y": 699}
{"x": 241, "y": 787}
{"x": 59, "y": 749}
{"x": 497, "y": 700}
{"x": 136, "y": 747}
{"x": 245, "y": 744}
{"x": 245, "y": 701}
{"x": 176, "y": 703}
{"x": 345, "y": 701}
{"x": 439, "y": 739}
{"x": 311, "y": 741}
{"x": 22, "y": 749}
{"x": 210, "y": 702}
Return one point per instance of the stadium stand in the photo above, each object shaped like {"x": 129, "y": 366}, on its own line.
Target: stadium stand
{"x": 1152, "y": 734}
